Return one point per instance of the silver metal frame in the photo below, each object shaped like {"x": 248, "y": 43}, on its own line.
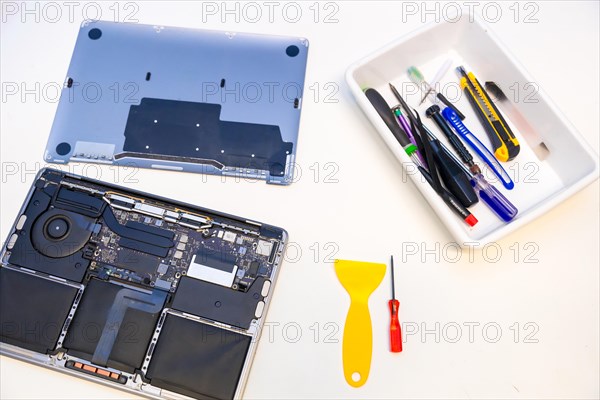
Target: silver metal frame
{"x": 106, "y": 77}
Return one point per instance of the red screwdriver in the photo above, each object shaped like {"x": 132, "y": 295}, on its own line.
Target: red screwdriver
{"x": 395, "y": 332}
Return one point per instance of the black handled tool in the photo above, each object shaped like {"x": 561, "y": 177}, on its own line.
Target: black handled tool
{"x": 433, "y": 112}
{"x": 453, "y": 175}
{"x": 419, "y": 131}
{"x": 384, "y": 111}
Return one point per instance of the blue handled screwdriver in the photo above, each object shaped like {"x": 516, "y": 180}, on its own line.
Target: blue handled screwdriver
{"x": 491, "y": 196}
{"x": 486, "y": 155}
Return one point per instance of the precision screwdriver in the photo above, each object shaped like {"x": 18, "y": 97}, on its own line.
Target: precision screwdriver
{"x": 451, "y": 117}
{"x": 395, "y": 331}
{"x": 384, "y": 111}
{"x": 433, "y": 112}
{"x": 491, "y": 196}
{"x": 406, "y": 127}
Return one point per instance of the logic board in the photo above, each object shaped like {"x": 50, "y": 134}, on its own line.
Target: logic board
{"x": 249, "y": 255}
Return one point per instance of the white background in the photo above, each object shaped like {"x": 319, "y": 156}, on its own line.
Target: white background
{"x": 358, "y": 213}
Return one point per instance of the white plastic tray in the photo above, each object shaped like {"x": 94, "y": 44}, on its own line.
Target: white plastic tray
{"x": 540, "y": 184}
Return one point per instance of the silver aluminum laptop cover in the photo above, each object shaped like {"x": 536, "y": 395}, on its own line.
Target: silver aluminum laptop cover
{"x": 182, "y": 99}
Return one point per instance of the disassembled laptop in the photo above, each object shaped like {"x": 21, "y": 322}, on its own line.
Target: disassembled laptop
{"x": 135, "y": 291}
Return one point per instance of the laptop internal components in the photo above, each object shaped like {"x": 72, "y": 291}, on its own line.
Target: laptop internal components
{"x": 134, "y": 281}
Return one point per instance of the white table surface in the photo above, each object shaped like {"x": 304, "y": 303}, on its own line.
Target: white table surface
{"x": 550, "y": 298}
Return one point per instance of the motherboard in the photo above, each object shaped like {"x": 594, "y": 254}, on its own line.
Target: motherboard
{"x": 219, "y": 255}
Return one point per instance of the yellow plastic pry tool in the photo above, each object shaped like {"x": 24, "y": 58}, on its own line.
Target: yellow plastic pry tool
{"x": 359, "y": 279}
{"x": 505, "y": 144}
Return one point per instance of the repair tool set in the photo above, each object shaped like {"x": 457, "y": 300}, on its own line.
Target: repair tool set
{"x": 456, "y": 178}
